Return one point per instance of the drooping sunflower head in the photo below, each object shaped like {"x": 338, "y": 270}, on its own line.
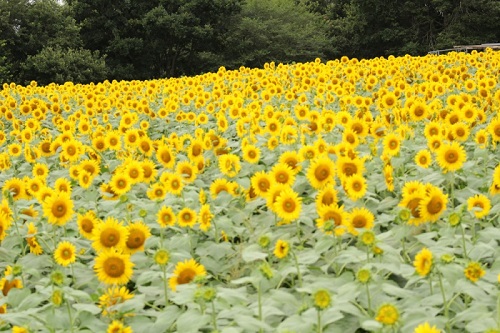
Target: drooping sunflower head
{"x": 423, "y": 262}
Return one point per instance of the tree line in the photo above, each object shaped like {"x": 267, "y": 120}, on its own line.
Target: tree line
{"x": 93, "y": 40}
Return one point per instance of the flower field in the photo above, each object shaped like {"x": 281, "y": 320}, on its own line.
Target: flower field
{"x": 339, "y": 196}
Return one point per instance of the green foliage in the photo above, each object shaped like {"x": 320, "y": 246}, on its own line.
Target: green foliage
{"x": 276, "y": 30}
{"x": 4, "y": 65}
{"x": 60, "y": 65}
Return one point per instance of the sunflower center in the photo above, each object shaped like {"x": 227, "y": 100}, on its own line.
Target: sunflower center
{"x": 264, "y": 185}
{"x": 66, "y": 254}
{"x": 356, "y": 186}
{"x": 451, "y": 156}
{"x": 413, "y": 206}
{"x": 321, "y": 173}
{"x": 121, "y": 184}
{"x": 165, "y": 157}
{"x": 114, "y": 267}
{"x": 135, "y": 239}
{"x": 134, "y": 173}
{"x": 252, "y": 154}
{"x": 289, "y": 205}
{"x": 359, "y": 222}
{"x": 59, "y": 209}
{"x": 87, "y": 225}
{"x": 479, "y": 205}
{"x": 71, "y": 150}
{"x": 186, "y": 217}
{"x": 166, "y": 218}
{"x": 328, "y": 199}
{"x": 110, "y": 237}
{"x": 349, "y": 169}
{"x": 419, "y": 112}
{"x": 423, "y": 160}
{"x": 282, "y": 177}
{"x": 186, "y": 276}
{"x": 175, "y": 184}
{"x": 435, "y": 205}
{"x": 196, "y": 150}
{"x": 336, "y": 217}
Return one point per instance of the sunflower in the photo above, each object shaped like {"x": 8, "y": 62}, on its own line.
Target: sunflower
{"x": 322, "y": 299}
{"x": 261, "y": 182}
{"x": 347, "y": 166}
{"x": 423, "y": 158}
{"x": 273, "y": 194}
{"x": 58, "y": 208}
{"x": 157, "y": 192}
{"x": 113, "y": 267}
{"x": 387, "y": 314}
{"x": 283, "y": 174}
{"x": 480, "y": 205}
{"x": 433, "y": 204}
{"x": 392, "y": 144}
{"x": 120, "y": 183}
{"x": 85, "y": 179}
{"x": 71, "y": 150}
{"x": 355, "y": 186}
{"x": 15, "y": 149}
{"x": 288, "y": 205}
{"x": 474, "y": 271}
{"x": 138, "y": 233}
{"x": 389, "y": 100}
{"x": 281, "y": 249}
{"x": 113, "y": 296}
{"x": 222, "y": 185}
{"x": 187, "y": 171}
{"x": 113, "y": 140}
{"x": 40, "y": 170}
{"x": 205, "y": 217}
{"x": 451, "y": 156}
{"x": 86, "y": 223}
{"x": 63, "y": 185}
{"x": 292, "y": 159}
{"x": 418, "y": 111}
{"x": 65, "y": 253}
{"x": 16, "y": 187}
{"x": 4, "y": 225}
{"x": 332, "y": 218}
{"x": 34, "y": 185}
{"x": 165, "y": 156}
{"x": 229, "y": 164}
{"x": 321, "y": 172}
{"x": 186, "y": 217}
{"x": 166, "y": 217}
{"x": 174, "y": 184}
{"x": 423, "y": 262}
{"x": 109, "y": 234}
{"x": 494, "y": 129}
{"x": 327, "y": 196}
{"x": 134, "y": 171}
{"x": 251, "y": 154}
{"x": 117, "y": 326}
{"x": 149, "y": 171}
{"x": 185, "y": 272}
{"x": 481, "y": 138}
{"x": 359, "y": 218}
{"x": 426, "y": 328}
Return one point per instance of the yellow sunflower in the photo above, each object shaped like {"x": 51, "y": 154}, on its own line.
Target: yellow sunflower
{"x": 134, "y": 171}
{"x": 292, "y": 159}
{"x": 40, "y": 170}
{"x": 283, "y": 174}
{"x": 423, "y": 262}
{"x": 387, "y": 314}
{"x": 65, "y": 253}
{"x": 332, "y": 219}
{"x": 451, "y": 156}
{"x": 288, "y": 205}
{"x": 423, "y": 158}
{"x": 359, "y": 218}
{"x": 109, "y": 234}
{"x": 149, "y": 171}
{"x": 138, "y": 233}
{"x": 187, "y": 171}
{"x": 166, "y": 217}
{"x": 205, "y": 217}
{"x": 327, "y": 196}
{"x": 281, "y": 249}
{"x": 113, "y": 296}
{"x": 58, "y": 208}
{"x": 433, "y": 204}
{"x": 426, "y": 328}
{"x": 63, "y": 185}
{"x": 113, "y": 267}
{"x": 117, "y": 326}
{"x": 86, "y": 223}
{"x": 480, "y": 205}
{"x": 120, "y": 183}
{"x": 261, "y": 182}
{"x": 355, "y": 186}
{"x": 4, "y": 225}
{"x": 165, "y": 156}
{"x": 251, "y": 154}
{"x": 174, "y": 184}
{"x": 157, "y": 192}
{"x": 185, "y": 272}
{"x": 186, "y": 217}
{"x": 392, "y": 144}
{"x": 347, "y": 166}
{"x": 321, "y": 172}
{"x": 229, "y": 164}
{"x": 16, "y": 187}
{"x": 474, "y": 271}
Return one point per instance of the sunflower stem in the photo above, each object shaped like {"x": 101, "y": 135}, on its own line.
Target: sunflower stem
{"x": 445, "y": 303}
{"x": 320, "y": 327}
{"x": 70, "y": 317}
{"x": 216, "y": 232}
{"x": 464, "y": 248}
{"x": 498, "y": 310}
{"x": 452, "y": 189}
{"x": 214, "y": 317}
{"x": 73, "y": 279}
{"x": 299, "y": 274}
{"x": 430, "y": 286}
{"x": 259, "y": 301}
{"x": 17, "y": 227}
{"x": 165, "y": 287}
{"x": 368, "y": 298}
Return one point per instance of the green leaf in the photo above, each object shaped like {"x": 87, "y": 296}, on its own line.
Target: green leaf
{"x": 253, "y": 252}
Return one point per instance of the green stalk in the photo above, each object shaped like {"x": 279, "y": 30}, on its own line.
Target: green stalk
{"x": 445, "y": 304}
{"x": 320, "y": 327}
{"x": 214, "y": 317}
{"x": 498, "y": 311}
{"x": 165, "y": 288}
{"x": 70, "y": 317}
{"x": 368, "y": 297}
{"x": 299, "y": 274}
{"x": 463, "y": 242}
{"x": 259, "y": 302}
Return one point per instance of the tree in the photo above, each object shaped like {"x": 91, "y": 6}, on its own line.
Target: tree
{"x": 60, "y": 65}
{"x": 276, "y": 30}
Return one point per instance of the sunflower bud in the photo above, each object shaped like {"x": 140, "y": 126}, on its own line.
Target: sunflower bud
{"x": 162, "y": 257}
{"x": 364, "y": 276}
{"x": 266, "y": 270}
{"x": 57, "y": 278}
{"x": 57, "y": 297}
{"x": 322, "y": 299}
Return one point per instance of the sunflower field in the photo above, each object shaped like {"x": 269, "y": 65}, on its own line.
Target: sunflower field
{"x": 340, "y": 196}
